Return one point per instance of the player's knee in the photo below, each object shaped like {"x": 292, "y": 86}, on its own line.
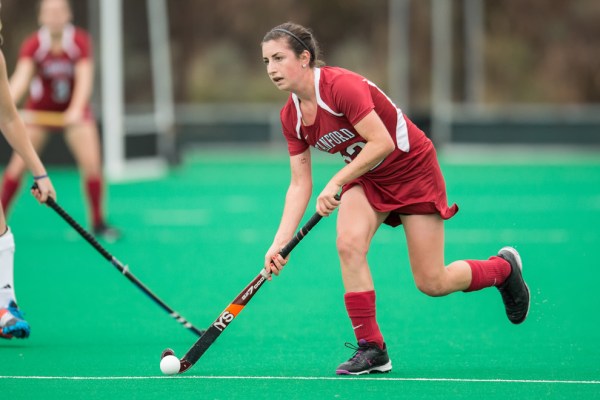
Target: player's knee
{"x": 431, "y": 286}
{"x": 351, "y": 248}
{"x": 15, "y": 169}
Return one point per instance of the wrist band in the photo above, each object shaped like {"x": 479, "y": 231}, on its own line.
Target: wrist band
{"x": 37, "y": 178}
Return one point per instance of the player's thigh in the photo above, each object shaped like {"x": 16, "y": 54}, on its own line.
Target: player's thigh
{"x": 84, "y": 142}
{"x": 357, "y": 221}
{"x": 39, "y": 137}
{"x": 425, "y": 241}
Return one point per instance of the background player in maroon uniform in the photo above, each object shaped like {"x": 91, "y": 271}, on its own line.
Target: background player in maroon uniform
{"x": 56, "y": 64}
{"x": 12, "y": 323}
{"x": 392, "y": 176}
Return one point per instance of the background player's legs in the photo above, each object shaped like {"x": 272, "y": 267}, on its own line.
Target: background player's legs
{"x": 425, "y": 240}
{"x": 357, "y": 222}
{"x": 16, "y": 167}
{"x": 84, "y": 142}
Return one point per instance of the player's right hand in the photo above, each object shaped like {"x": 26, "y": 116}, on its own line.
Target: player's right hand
{"x": 329, "y": 199}
{"x": 43, "y": 189}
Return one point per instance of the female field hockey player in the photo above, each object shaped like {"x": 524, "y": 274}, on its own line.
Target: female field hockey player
{"x": 56, "y": 64}
{"x": 12, "y": 323}
{"x": 391, "y": 176}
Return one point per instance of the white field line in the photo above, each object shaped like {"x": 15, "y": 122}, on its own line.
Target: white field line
{"x": 306, "y": 378}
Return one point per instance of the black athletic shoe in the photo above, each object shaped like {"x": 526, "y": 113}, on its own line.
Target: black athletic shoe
{"x": 107, "y": 233}
{"x": 514, "y": 291}
{"x": 367, "y": 358}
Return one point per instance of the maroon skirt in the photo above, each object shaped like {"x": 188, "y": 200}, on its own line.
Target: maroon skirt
{"x": 417, "y": 187}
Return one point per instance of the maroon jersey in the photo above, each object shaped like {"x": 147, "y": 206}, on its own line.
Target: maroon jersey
{"x": 52, "y": 87}
{"x": 407, "y": 181}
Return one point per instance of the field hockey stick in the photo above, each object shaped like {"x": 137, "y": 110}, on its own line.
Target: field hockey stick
{"x": 237, "y": 305}
{"x": 44, "y": 118}
{"x": 124, "y": 269}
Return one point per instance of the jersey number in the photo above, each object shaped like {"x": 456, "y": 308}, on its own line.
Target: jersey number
{"x": 352, "y": 151}
{"x": 61, "y": 90}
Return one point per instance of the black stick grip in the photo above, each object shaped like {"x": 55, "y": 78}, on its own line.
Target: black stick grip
{"x": 86, "y": 235}
{"x": 119, "y": 265}
{"x": 287, "y": 249}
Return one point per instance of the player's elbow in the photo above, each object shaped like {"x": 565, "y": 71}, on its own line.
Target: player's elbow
{"x": 387, "y": 146}
{"x": 391, "y": 146}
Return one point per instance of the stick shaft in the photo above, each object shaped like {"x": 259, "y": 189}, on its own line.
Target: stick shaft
{"x": 238, "y": 304}
{"x": 44, "y": 118}
{"x": 123, "y": 269}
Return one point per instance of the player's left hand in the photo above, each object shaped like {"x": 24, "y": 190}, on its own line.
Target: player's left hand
{"x": 327, "y": 201}
{"x": 274, "y": 262}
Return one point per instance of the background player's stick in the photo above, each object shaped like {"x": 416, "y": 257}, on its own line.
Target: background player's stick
{"x": 123, "y": 268}
{"x": 44, "y": 118}
{"x": 237, "y": 305}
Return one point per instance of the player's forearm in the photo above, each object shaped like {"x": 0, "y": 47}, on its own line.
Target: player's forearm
{"x": 81, "y": 97}
{"x": 82, "y": 92}
{"x": 17, "y": 90}
{"x": 20, "y": 80}
{"x": 370, "y": 156}
{"x": 296, "y": 201}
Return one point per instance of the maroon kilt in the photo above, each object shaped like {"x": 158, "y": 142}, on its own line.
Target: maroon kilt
{"x": 417, "y": 187}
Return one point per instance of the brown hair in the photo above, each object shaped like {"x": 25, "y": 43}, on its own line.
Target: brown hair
{"x": 299, "y": 39}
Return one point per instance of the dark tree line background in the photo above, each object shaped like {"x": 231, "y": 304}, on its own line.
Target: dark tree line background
{"x": 535, "y": 50}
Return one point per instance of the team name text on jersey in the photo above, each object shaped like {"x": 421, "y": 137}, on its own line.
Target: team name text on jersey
{"x": 331, "y": 139}
{"x": 58, "y": 68}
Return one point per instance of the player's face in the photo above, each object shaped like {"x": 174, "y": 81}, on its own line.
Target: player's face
{"x": 55, "y": 15}
{"x": 283, "y": 66}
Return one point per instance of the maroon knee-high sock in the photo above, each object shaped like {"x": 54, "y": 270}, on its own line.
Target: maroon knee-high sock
{"x": 10, "y": 186}
{"x": 93, "y": 186}
{"x": 361, "y": 310}
{"x": 486, "y": 273}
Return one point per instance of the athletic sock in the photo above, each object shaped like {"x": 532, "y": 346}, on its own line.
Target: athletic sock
{"x": 93, "y": 186}
{"x": 10, "y": 186}
{"x": 361, "y": 310}
{"x": 486, "y": 273}
{"x": 7, "y": 252}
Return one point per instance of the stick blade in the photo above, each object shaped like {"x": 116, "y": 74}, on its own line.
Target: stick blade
{"x": 167, "y": 352}
{"x": 184, "y": 365}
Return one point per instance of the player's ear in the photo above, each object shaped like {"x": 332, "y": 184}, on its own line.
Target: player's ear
{"x": 305, "y": 57}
